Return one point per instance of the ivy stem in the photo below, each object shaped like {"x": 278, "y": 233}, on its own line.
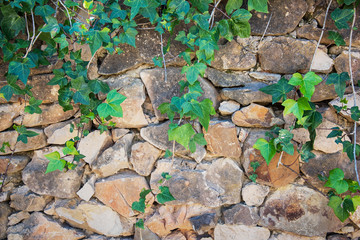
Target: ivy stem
{"x": 220, "y": 11}
{"x": 321, "y": 35}
{"x": 67, "y": 11}
{"x": 354, "y": 93}
{"x": 266, "y": 28}
{"x": 213, "y": 13}
{"x": 281, "y": 155}
{"x": 27, "y": 27}
{"x": 163, "y": 57}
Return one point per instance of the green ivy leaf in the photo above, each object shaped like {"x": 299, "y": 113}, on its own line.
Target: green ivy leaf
{"x": 233, "y": 5}
{"x": 24, "y": 133}
{"x": 97, "y": 38}
{"x": 139, "y": 205}
{"x": 11, "y": 23}
{"x": 202, "y": 5}
{"x": 335, "y": 203}
{"x": 55, "y": 162}
{"x": 341, "y": 17}
{"x": 192, "y": 72}
{"x": 51, "y": 26}
{"x": 355, "y": 113}
{"x": 165, "y": 108}
{"x": 168, "y": 153}
{"x": 165, "y": 195}
{"x": 181, "y": 134}
{"x": 258, "y": 5}
{"x": 128, "y": 36}
{"x": 97, "y": 86}
{"x": 339, "y": 81}
{"x": 140, "y": 223}
{"x": 117, "y": 12}
{"x": 135, "y": 6}
{"x": 70, "y": 149}
{"x": 307, "y": 84}
{"x": 266, "y": 148}
{"x": 199, "y": 139}
{"x": 336, "y": 132}
{"x": 21, "y": 69}
{"x": 34, "y": 106}
{"x": 150, "y": 11}
{"x": 278, "y": 91}
{"x": 296, "y": 107}
{"x": 112, "y": 105}
{"x": 348, "y": 147}
{"x": 44, "y": 11}
{"x": 180, "y": 7}
{"x": 207, "y": 109}
{"x": 338, "y": 39}
{"x": 3, "y": 146}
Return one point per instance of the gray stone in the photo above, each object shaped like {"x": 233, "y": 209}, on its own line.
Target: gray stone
{"x": 290, "y": 236}
{"x": 246, "y": 95}
{"x": 22, "y": 199}
{"x": 18, "y": 217}
{"x": 33, "y": 143}
{"x": 223, "y": 79}
{"x": 88, "y": 190}
{"x": 241, "y": 214}
{"x": 161, "y": 91}
{"x": 204, "y": 222}
{"x": 211, "y": 185}
{"x": 17, "y": 163}
{"x": 285, "y": 16}
{"x": 118, "y": 133}
{"x": 265, "y": 77}
{"x": 143, "y": 157}
{"x": 228, "y": 107}
{"x": 300, "y": 210}
{"x": 113, "y": 158}
{"x": 56, "y": 183}
{"x": 145, "y": 234}
{"x": 254, "y": 194}
{"x": 240, "y": 232}
{"x": 5, "y": 211}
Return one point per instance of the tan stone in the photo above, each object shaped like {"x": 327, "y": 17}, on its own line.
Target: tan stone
{"x": 240, "y": 232}
{"x": 177, "y": 235}
{"x": 145, "y": 234}
{"x": 22, "y": 199}
{"x": 255, "y": 115}
{"x": 265, "y": 77}
{"x": 228, "y": 107}
{"x": 342, "y": 64}
{"x": 5, "y": 211}
{"x": 18, "y": 217}
{"x": 143, "y": 157}
{"x": 222, "y": 140}
{"x": 120, "y": 191}
{"x": 7, "y": 113}
{"x": 118, "y": 133}
{"x": 33, "y": 143}
{"x": 254, "y": 194}
{"x": 290, "y": 236}
{"x": 90, "y": 148}
{"x": 17, "y": 163}
{"x": 241, "y": 214}
{"x": 350, "y": 104}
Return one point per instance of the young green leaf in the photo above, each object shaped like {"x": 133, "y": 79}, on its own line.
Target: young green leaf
{"x": 307, "y": 84}
{"x": 33, "y": 106}
{"x": 181, "y": 134}
{"x": 164, "y": 195}
{"x": 266, "y": 148}
{"x": 55, "y": 162}
{"x": 139, "y": 205}
{"x": 335, "y": 203}
{"x": 192, "y": 72}
{"x": 336, "y": 132}
{"x": 296, "y": 107}
{"x": 135, "y": 6}
{"x": 355, "y": 113}
{"x": 233, "y": 5}
{"x": 112, "y": 105}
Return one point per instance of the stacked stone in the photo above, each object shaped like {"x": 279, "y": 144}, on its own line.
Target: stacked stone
{"x": 214, "y": 197}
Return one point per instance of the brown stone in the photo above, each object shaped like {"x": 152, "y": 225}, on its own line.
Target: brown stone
{"x": 342, "y": 64}
{"x": 40, "y": 226}
{"x": 143, "y": 157}
{"x": 313, "y": 33}
{"x": 22, "y": 199}
{"x": 241, "y": 214}
{"x": 17, "y": 163}
{"x": 118, "y": 133}
{"x": 7, "y": 113}
{"x": 300, "y": 210}
{"x": 121, "y": 190}
{"x": 222, "y": 140}
{"x": 233, "y": 56}
{"x": 5, "y": 211}
{"x": 33, "y": 143}
{"x": 18, "y": 217}
{"x": 223, "y": 79}
{"x": 254, "y": 194}
{"x": 255, "y": 115}
{"x": 161, "y": 91}
{"x": 285, "y": 16}
{"x": 225, "y": 231}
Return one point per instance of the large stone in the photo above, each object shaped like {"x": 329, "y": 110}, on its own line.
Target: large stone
{"x": 228, "y": 107}
{"x": 17, "y": 163}
{"x": 255, "y": 115}
{"x": 161, "y": 91}
{"x": 18, "y": 217}
{"x": 121, "y": 190}
{"x": 157, "y": 135}
{"x": 254, "y": 194}
{"x": 94, "y": 217}
{"x": 342, "y": 64}
{"x": 290, "y": 236}
{"x": 22, "y": 199}
{"x": 234, "y": 56}
{"x": 185, "y": 217}
{"x": 211, "y": 185}
{"x": 50, "y": 114}
{"x": 40, "y": 226}
{"x": 265, "y": 77}
{"x": 300, "y": 210}
{"x": 148, "y": 46}
{"x": 5, "y": 211}
{"x": 272, "y": 174}
{"x": 223, "y": 79}
{"x": 240, "y": 232}
{"x": 87, "y": 190}
{"x": 241, "y": 214}
{"x": 134, "y": 91}
{"x": 93, "y": 144}
{"x": 246, "y": 95}
{"x": 145, "y": 234}
{"x": 285, "y": 16}
{"x": 39, "y": 141}
{"x": 59, "y": 133}
{"x": 322, "y": 142}
{"x": 288, "y": 55}
{"x": 222, "y": 140}
{"x": 118, "y": 133}
{"x": 323, "y": 91}
{"x": 57, "y": 183}
{"x": 143, "y": 157}
{"x": 113, "y": 158}
{"x": 7, "y": 113}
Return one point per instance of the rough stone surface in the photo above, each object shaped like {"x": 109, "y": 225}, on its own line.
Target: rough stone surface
{"x": 94, "y": 217}
{"x": 246, "y": 95}
{"x": 288, "y": 55}
{"x": 254, "y": 194}
{"x": 148, "y": 45}
{"x": 7, "y": 113}
{"x": 350, "y": 104}
{"x": 290, "y": 236}
{"x": 233, "y": 56}
{"x": 134, "y": 91}
{"x": 223, "y": 79}
{"x": 91, "y": 149}
{"x": 5, "y": 211}
{"x": 59, "y": 133}
{"x": 40, "y": 226}
{"x": 264, "y": 76}
{"x": 118, "y": 133}
{"x": 240, "y": 232}
{"x": 255, "y": 115}
{"x": 268, "y": 174}
{"x": 160, "y": 91}
{"x": 56, "y": 183}
{"x": 342, "y": 63}
{"x": 323, "y": 91}
{"x": 88, "y": 190}
{"x": 211, "y": 185}
{"x": 355, "y": 217}
{"x": 285, "y": 16}
{"x": 221, "y": 138}
{"x": 18, "y": 217}
{"x": 113, "y": 158}
{"x": 17, "y": 163}
{"x": 241, "y": 214}
{"x": 322, "y": 143}
{"x": 299, "y": 210}
{"x": 120, "y": 191}
{"x": 143, "y": 157}
{"x": 228, "y": 107}
{"x": 145, "y": 234}
{"x": 33, "y": 143}
{"x": 22, "y": 199}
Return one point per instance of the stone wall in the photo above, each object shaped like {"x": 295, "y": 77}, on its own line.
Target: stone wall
{"x": 214, "y": 197}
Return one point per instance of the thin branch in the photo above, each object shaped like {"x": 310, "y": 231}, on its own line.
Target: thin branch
{"x": 220, "y": 11}
{"x": 163, "y": 57}
{"x": 56, "y": 8}
{"x": 67, "y": 11}
{"x": 280, "y": 158}
{"x": 354, "y": 94}
{"x": 27, "y": 27}
{"x": 266, "y": 28}
{"x": 33, "y": 37}
{"x": 212, "y": 16}
{"x": 321, "y": 35}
